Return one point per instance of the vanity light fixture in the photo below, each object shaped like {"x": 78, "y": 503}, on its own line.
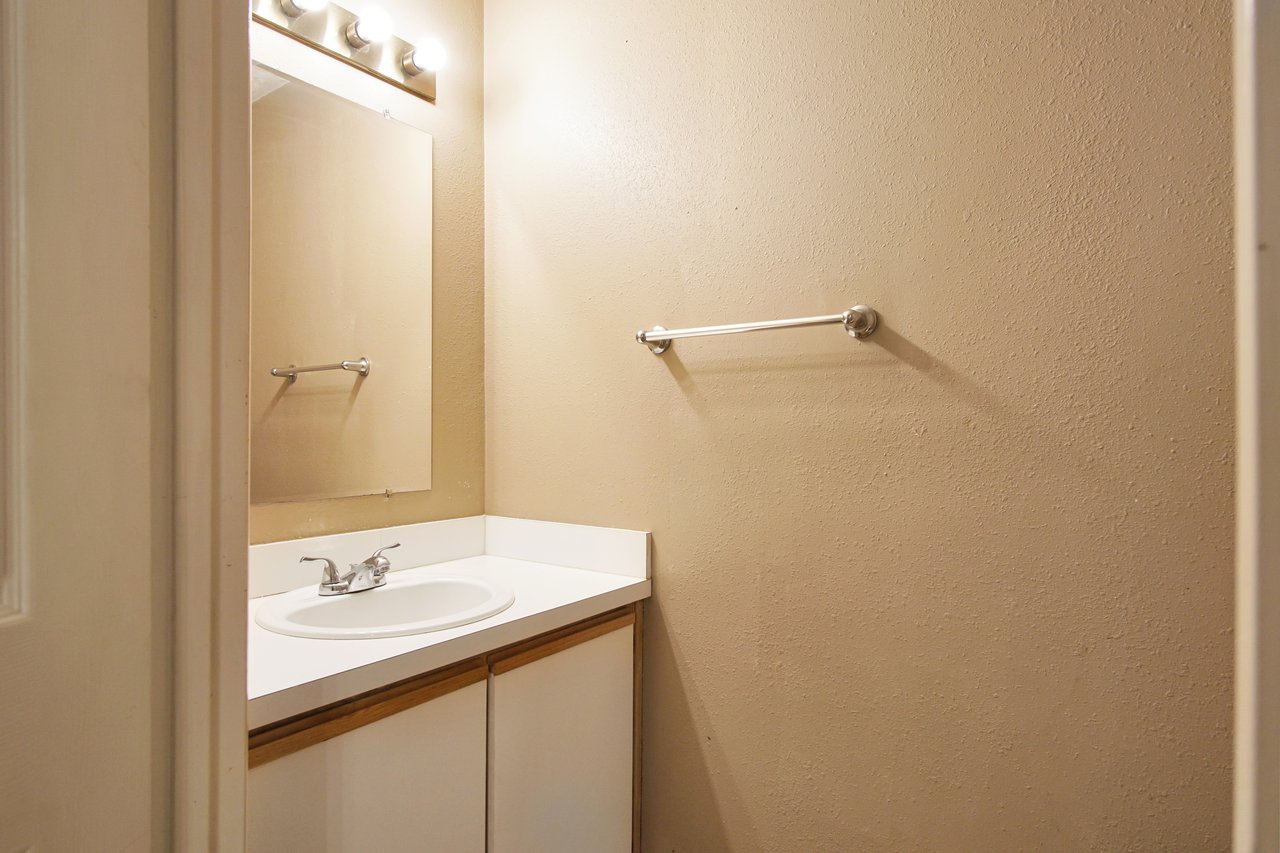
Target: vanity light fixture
{"x": 372, "y": 27}
{"x": 365, "y": 41}
{"x": 429, "y": 55}
{"x": 298, "y": 8}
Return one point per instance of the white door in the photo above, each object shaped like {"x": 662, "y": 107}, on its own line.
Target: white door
{"x": 1257, "y": 131}
{"x": 85, "y": 599}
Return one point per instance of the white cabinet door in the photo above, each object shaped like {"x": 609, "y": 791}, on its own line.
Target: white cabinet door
{"x": 560, "y": 750}
{"x": 414, "y": 781}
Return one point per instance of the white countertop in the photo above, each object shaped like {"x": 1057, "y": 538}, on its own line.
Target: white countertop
{"x": 290, "y": 675}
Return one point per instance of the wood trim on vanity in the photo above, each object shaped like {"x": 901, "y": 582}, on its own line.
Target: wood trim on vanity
{"x": 287, "y": 736}
{"x": 290, "y": 735}
{"x": 637, "y": 663}
{"x": 545, "y": 645}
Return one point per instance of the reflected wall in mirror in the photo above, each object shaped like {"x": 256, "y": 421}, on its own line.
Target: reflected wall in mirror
{"x": 341, "y": 270}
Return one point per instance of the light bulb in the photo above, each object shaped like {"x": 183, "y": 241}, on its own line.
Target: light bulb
{"x": 296, "y": 8}
{"x": 429, "y": 55}
{"x": 371, "y": 27}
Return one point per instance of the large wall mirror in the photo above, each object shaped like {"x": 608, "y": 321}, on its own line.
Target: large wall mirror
{"x": 341, "y": 271}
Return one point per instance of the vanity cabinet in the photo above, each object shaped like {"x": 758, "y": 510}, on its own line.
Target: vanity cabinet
{"x": 528, "y": 749}
{"x": 399, "y": 770}
{"x": 561, "y": 742}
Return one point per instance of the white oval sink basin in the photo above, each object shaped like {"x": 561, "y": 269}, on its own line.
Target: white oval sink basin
{"x": 405, "y": 605}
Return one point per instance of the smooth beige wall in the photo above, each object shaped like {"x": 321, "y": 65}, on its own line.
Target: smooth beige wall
{"x": 966, "y": 586}
{"x": 457, "y": 400}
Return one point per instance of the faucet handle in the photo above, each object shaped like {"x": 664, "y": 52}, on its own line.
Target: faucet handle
{"x": 330, "y": 577}
{"x": 380, "y": 564}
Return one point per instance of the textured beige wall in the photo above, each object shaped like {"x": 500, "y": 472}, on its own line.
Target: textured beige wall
{"x": 964, "y": 587}
{"x": 457, "y": 401}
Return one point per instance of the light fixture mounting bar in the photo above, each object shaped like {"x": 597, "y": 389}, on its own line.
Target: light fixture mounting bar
{"x": 326, "y": 29}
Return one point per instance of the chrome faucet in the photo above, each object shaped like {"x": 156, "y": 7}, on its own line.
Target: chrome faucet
{"x": 370, "y": 574}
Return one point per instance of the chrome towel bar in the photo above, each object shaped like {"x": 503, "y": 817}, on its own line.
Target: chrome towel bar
{"x": 360, "y": 365}
{"x": 859, "y": 321}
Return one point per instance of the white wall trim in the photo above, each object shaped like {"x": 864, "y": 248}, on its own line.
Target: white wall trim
{"x": 13, "y": 566}
{"x": 578, "y": 546}
{"x": 274, "y": 566}
{"x": 1257, "y": 230}
{"x": 211, "y": 306}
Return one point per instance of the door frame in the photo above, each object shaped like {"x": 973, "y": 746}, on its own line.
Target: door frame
{"x": 1257, "y": 176}
{"x": 211, "y": 422}
{"x": 211, "y": 140}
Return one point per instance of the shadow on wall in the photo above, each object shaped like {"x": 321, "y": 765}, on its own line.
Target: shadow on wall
{"x": 682, "y": 725}
{"x": 689, "y": 742}
{"x": 886, "y": 339}
{"x": 329, "y": 395}
{"x": 692, "y": 751}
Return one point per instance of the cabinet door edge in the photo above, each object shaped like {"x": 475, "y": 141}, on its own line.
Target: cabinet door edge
{"x": 538, "y": 648}
{"x": 288, "y": 736}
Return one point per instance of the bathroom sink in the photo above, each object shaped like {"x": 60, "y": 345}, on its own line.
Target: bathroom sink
{"x": 405, "y": 605}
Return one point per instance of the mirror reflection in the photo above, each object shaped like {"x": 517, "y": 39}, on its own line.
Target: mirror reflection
{"x": 341, "y": 271}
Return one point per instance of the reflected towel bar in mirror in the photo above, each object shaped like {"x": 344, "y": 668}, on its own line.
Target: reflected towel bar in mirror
{"x": 859, "y": 321}
{"x": 360, "y": 365}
